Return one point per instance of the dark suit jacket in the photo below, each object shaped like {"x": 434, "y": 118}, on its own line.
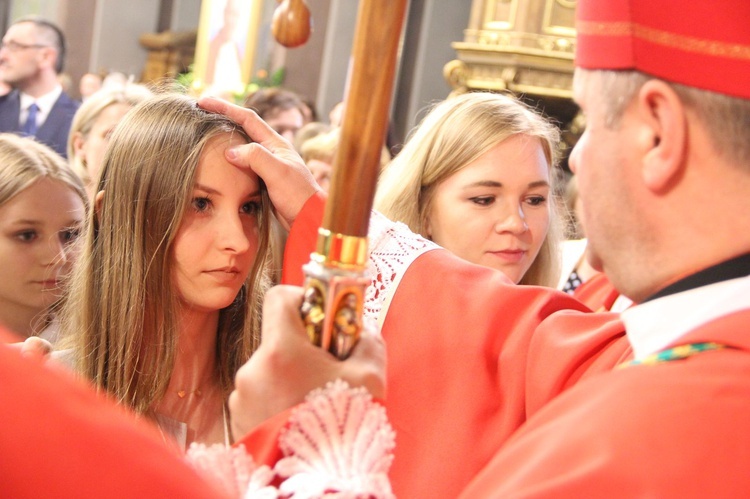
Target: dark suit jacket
{"x": 53, "y": 132}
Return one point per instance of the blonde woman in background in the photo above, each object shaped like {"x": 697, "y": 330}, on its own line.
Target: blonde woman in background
{"x": 93, "y": 124}
{"x": 42, "y": 208}
{"x": 478, "y": 177}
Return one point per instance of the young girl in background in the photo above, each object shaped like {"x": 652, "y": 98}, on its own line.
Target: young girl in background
{"x": 42, "y": 207}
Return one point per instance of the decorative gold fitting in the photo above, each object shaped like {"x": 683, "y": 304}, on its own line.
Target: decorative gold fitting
{"x": 341, "y": 251}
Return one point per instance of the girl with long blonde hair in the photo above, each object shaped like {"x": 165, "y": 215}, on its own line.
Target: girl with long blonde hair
{"x": 165, "y": 302}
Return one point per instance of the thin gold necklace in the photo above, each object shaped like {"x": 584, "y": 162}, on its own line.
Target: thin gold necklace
{"x": 184, "y": 393}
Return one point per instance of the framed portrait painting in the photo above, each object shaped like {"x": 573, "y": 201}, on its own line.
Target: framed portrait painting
{"x": 225, "y": 49}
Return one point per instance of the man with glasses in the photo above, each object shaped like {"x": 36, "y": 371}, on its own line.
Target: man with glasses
{"x": 32, "y": 54}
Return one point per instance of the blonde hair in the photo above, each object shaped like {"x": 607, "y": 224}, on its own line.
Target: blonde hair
{"x": 308, "y": 132}
{"x": 122, "y": 307}
{"x": 324, "y": 146}
{"x": 453, "y": 134}
{"x": 86, "y": 116}
{"x": 321, "y": 147}
{"x": 24, "y": 161}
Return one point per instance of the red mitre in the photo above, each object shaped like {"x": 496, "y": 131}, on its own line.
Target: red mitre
{"x": 699, "y": 43}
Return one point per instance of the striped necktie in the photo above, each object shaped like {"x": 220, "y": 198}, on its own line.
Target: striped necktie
{"x": 29, "y": 128}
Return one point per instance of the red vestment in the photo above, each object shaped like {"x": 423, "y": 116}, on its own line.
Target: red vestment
{"x": 597, "y": 293}
{"x": 675, "y": 429}
{"x": 497, "y": 382}
{"x": 457, "y": 337}
{"x": 61, "y": 439}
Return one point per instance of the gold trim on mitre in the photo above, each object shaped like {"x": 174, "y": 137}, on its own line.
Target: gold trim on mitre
{"x": 665, "y": 38}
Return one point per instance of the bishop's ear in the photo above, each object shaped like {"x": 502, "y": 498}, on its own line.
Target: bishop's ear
{"x": 663, "y": 114}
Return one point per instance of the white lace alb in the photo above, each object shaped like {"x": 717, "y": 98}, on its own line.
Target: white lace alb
{"x": 393, "y": 248}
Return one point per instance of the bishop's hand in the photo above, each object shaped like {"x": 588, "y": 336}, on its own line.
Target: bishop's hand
{"x": 290, "y": 183}
{"x": 286, "y": 366}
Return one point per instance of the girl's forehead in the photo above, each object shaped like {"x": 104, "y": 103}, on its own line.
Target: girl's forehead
{"x": 222, "y": 141}
{"x": 214, "y": 167}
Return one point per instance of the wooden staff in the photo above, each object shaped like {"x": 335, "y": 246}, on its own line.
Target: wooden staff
{"x": 365, "y": 122}
{"x": 335, "y": 282}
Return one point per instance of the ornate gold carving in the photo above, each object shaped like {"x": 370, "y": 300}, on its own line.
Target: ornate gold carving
{"x": 534, "y": 57}
{"x": 513, "y": 41}
{"x": 454, "y": 73}
{"x": 333, "y": 303}
{"x": 346, "y": 322}
{"x": 313, "y": 310}
{"x": 169, "y": 53}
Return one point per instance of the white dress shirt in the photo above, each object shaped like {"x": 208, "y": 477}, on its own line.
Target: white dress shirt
{"x": 653, "y": 325}
{"x": 45, "y": 104}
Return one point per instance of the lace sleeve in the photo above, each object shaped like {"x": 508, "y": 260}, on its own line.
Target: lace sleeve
{"x": 393, "y": 247}
{"x": 338, "y": 443}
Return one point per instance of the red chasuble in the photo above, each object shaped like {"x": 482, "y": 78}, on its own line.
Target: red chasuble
{"x": 495, "y": 391}
{"x": 457, "y": 338}
{"x": 674, "y": 429}
{"x": 60, "y": 439}
{"x": 597, "y": 293}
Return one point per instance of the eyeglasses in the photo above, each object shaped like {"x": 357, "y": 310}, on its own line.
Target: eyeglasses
{"x": 16, "y": 46}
